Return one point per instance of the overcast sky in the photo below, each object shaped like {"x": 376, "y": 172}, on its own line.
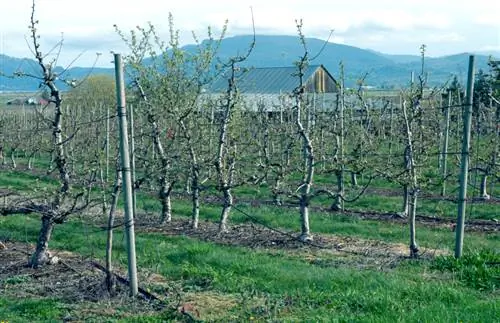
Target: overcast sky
{"x": 389, "y": 26}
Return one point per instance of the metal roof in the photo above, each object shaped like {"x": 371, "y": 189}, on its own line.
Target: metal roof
{"x": 265, "y": 79}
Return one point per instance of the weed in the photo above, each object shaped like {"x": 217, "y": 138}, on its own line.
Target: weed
{"x": 477, "y": 269}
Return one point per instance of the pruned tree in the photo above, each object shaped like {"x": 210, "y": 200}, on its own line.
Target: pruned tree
{"x": 307, "y": 172}
{"x": 54, "y": 206}
{"x": 227, "y": 144}
{"x": 485, "y": 118}
{"x": 169, "y": 81}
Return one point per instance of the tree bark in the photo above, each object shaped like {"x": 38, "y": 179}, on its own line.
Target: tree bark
{"x": 338, "y": 205}
{"x": 354, "y": 179}
{"x": 195, "y": 195}
{"x": 483, "y": 188}
{"x": 166, "y": 204}
{"x": 224, "y": 164}
{"x": 41, "y": 255}
{"x": 275, "y": 191}
{"x": 165, "y": 185}
{"x": 406, "y": 202}
{"x": 411, "y": 168}
{"x": 304, "y": 219}
{"x": 413, "y": 213}
{"x": 195, "y": 176}
{"x": 305, "y": 188}
{"x": 226, "y": 209}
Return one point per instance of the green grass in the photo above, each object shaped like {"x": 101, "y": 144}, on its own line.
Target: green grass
{"x": 22, "y": 180}
{"x": 289, "y": 287}
{"x": 480, "y": 270}
{"x": 292, "y": 288}
{"x": 30, "y": 310}
{"x": 342, "y": 225}
{"x": 288, "y": 218}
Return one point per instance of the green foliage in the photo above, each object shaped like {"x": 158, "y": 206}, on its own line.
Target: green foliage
{"x": 17, "y": 279}
{"x": 29, "y": 310}
{"x": 477, "y": 269}
{"x": 95, "y": 89}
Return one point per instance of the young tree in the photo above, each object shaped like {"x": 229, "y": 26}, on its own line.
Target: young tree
{"x": 485, "y": 128}
{"x": 229, "y": 110}
{"x": 307, "y": 145}
{"x": 169, "y": 82}
{"x": 54, "y": 206}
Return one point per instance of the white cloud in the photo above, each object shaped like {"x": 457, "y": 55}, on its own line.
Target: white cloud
{"x": 488, "y": 19}
{"x": 445, "y": 37}
{"x": 490, "y": 48}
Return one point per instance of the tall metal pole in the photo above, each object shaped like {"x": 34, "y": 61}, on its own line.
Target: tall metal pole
{"x": 464, "y": 166}
{"x": 127, "y": 180}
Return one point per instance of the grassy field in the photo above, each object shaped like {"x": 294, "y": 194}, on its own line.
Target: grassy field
{"x": 223, "y": 280}
{"x": 282, "y": 285}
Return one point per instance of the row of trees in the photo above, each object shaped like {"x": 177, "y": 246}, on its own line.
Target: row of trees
{"x": 188, "y": 140}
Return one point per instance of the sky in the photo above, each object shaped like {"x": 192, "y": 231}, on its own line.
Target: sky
{"x": 389, "y": 26}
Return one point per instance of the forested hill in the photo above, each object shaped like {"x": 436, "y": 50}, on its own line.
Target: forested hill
{"x": 383, "y": 70}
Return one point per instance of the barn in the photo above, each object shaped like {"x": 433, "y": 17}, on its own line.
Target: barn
{"x": 269, "y": 88}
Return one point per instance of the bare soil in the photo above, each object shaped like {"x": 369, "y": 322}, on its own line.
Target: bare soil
{"x": 73, "y": 280}
{"x": 324, "y": 250}
{"x": 79, "y": 288}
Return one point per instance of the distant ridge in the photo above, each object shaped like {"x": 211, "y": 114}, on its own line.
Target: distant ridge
{"x": 384, "y": 70}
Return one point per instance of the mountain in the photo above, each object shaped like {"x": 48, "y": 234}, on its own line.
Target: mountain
{"x": 10, "y": 65}
{"x": 383, "y": 70}
{"x": 494, "y": 53}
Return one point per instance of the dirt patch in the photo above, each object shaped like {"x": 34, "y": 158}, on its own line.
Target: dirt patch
{"x": 327, "y": 250}
{"x": 429, "y": 196}
{"x": 73, "y": 280}
{"x": 475, "y": 225}
{"x": 472, "y": 225}
{"x": 80, "y": 288}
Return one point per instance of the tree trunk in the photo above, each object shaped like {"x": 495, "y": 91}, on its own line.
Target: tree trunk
{"x": 187, "y": 185}
{"x": 304, "y": 219}
{"x": 354, "y": 179}
{"x": 13, "y": 159}
{"x": 275, "y": 192}
{"x": 195, "y": 195}
{"x": 41, "y": 255}
{"x": 309, "y": 160}
{"x": 225, "y": 164}
{"x": 194, "y": 176}
{"x": 30, "y": 162}
{"x": 226, "y": 209}
{"x": 406, "y": 202}
{"x": 483, "y": 193}
{"x": 410, "y": 166}
{"x": 445, "y": 145}
{"x": 413, "y": 214}
{"x": 338, "y": 205}
{"x": 166, "y": 205}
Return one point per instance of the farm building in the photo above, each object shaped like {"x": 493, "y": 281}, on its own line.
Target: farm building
{"x": 269, "y": 88}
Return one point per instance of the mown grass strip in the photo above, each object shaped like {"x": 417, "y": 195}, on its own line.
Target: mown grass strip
{"x": 293, "y": 289}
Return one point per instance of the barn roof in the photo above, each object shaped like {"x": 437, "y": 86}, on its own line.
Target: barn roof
{"x": 267, "y": 79}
